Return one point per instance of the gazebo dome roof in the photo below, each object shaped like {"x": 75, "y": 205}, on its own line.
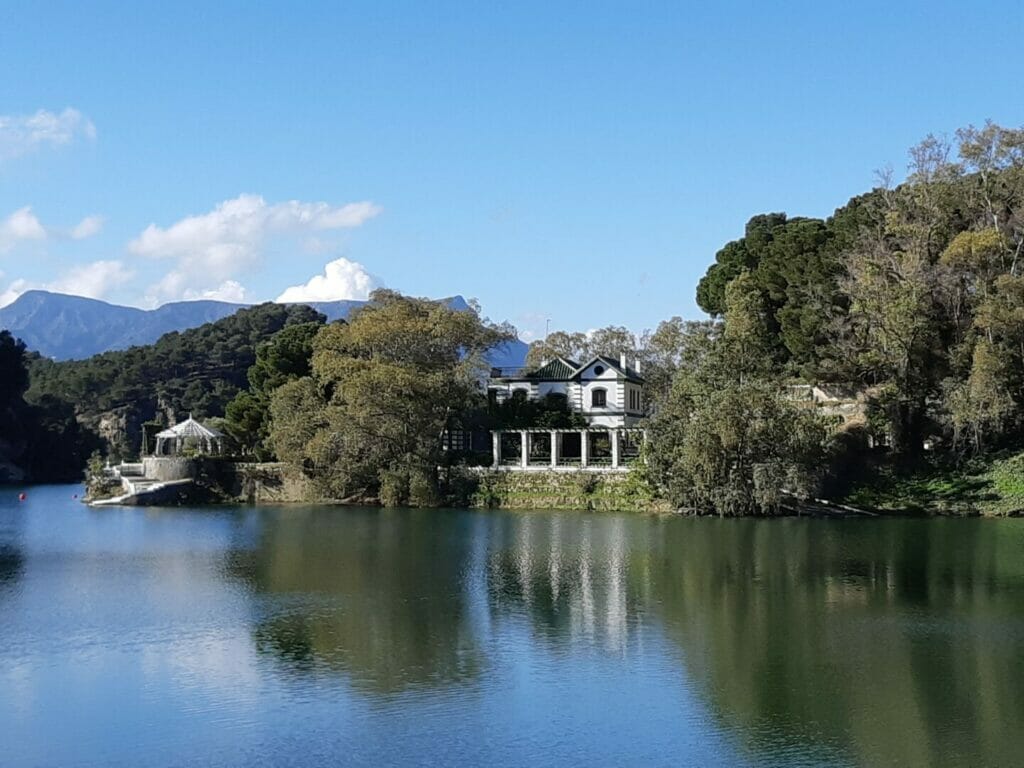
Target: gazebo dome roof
{"x": 190, "y": 428}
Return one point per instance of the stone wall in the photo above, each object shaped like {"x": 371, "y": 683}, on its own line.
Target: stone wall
{"x": 584, "y": 491}
{"x": 225, "y": 481}
{"x": 167, "y": 468}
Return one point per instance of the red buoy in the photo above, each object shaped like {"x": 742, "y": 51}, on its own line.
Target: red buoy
{"x": 22, "y": 496}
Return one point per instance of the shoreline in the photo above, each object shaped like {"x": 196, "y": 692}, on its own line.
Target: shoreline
{"x": 819, "y": 509}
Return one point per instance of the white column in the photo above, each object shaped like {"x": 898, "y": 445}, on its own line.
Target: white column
{"x": 584, "y": 448}
{"x": 524, "y": 446}
{"x": 615, "y": 448}
{"x": 555, "y": 436}
{"x": 496, "y": 449}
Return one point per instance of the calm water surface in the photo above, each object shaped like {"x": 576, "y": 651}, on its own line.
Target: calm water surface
{"x": 302, "y": 636}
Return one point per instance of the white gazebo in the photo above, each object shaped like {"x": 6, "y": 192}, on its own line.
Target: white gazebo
{"x": 189, "y": 432}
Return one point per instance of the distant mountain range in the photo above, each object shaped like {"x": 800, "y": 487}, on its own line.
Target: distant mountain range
{"x": 64, "y": 327}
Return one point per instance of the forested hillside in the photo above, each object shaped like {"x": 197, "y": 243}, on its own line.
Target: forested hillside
{"x": 198, "y": 371}
{"x": 914, "y": 291}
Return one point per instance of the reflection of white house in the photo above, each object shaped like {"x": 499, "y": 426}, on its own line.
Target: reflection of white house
{"x": 605, "y": 391}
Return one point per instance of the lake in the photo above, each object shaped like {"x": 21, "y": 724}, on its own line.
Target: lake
{"x": 315, "y": 635}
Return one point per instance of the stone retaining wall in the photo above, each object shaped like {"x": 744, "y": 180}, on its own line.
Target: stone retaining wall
{"x": 584, "y": 491}
{"x": 167, "y": 468}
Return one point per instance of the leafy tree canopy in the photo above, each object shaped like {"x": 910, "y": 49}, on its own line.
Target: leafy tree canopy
{"x": 369, "y": 420}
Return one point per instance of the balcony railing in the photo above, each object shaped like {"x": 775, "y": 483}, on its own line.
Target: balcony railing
{"x": 517, "y": 372}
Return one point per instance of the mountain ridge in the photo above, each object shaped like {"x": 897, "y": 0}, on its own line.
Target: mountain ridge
{"x": 66, "y": 327}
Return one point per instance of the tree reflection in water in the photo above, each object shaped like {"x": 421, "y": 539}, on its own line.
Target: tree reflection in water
{"x": 896, "y": 642}
{"x": 11, "y": 564}
{"x": 881, "y": 642}
{"x": 379, "y": 594}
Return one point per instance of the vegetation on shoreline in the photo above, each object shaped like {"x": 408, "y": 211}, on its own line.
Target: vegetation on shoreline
{"x": 384, "y": 389}
{"x": 990, "y": 485}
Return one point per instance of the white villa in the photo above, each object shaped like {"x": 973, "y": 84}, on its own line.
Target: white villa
{"x": 607, "y": 393}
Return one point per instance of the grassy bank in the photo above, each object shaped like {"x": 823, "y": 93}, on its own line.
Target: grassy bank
{"x": 992, "y": 487}
{"x": 584, "y": 491}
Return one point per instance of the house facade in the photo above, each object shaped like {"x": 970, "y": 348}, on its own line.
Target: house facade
{"x": 608, "y": 393}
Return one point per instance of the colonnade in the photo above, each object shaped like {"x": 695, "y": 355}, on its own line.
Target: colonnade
{"x": 556, "y": 459}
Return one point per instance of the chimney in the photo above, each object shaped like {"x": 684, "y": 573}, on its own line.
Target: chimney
{"x": 636, "y": 366}
{"x": 622, "y": 360}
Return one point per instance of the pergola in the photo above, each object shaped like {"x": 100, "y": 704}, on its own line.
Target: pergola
{"x": 543, "y": 449}
{"x": 189, "y": 432}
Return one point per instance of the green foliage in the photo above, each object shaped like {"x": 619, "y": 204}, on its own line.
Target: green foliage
{"x": 735, "y": 450}
{"x": 611, "y": 341}
{"x": 43, "y": 438}
{"x": 13, "y": 373}
{"x": 991, "y": 485}
{"x": 794, "y": 266}
{"x": 197, "y": 371}
{"x": 726, "y": 439}
{"x": 247, "y": 420}
{"x": 519, "y": 411}
{"x": 285, "y": 357}
{"x": 910, "y": 293}
{"x": 368, "y": 422}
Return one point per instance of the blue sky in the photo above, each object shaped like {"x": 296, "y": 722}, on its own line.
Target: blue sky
{"x": 578, "y": 162}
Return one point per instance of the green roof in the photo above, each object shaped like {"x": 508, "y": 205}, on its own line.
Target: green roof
{"x": 555, "y": 370}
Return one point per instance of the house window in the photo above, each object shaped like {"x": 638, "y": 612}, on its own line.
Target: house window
{"x": 598, "y": 370}
{"x": 598, "y": 398}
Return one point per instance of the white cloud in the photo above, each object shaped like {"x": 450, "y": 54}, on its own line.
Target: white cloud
{"x": 23, "y": 225}
{"x": 19, "y": 226}
{"x": 342, "y": 279}
{"x": 94, "y": 281}
{"x": 13, "y": 291}
{"x": 229, "y": 290}
{"x": 217, "y": 246}
{"x": 87, "y": 227}
{"x": 21, "y": 134}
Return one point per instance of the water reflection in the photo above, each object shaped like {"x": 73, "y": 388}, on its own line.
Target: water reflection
{"x": 11, "y": 564}
{"x": 893, "y": 642}
{"x": 569, "y": 575}
{"x": 873, "y": 642}
{"x": 380, "y": 595}
{"x": 12, "y": 560}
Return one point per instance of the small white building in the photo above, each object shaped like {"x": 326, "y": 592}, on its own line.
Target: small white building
{"x": 189, "y": 434}
{"x": 606, "y": 392}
